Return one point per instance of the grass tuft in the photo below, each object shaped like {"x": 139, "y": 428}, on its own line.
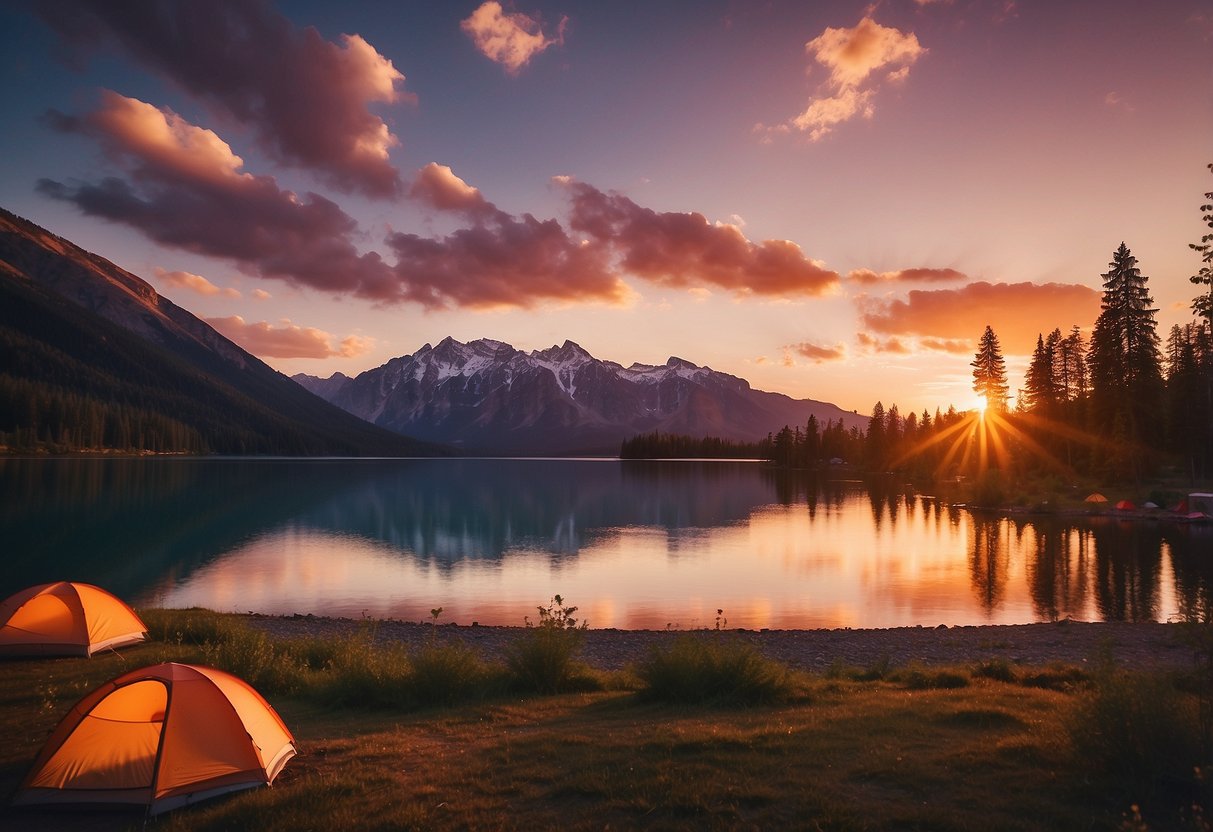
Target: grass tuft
{"x": 698, "y": 669}
{"x": 1000, "y": 670}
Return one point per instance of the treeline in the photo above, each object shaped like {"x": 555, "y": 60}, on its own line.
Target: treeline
{"x": 36, "y": 416}
{"x": 1117, "y": 405}
{"x": 657, "y": 445}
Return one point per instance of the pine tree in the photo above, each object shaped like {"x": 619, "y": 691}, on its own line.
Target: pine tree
{"x": 1040, "y": 388}
{"x": 990, "y": 372}
{"x": 1124, "y": 359}
{"x": 1203, "y": 303}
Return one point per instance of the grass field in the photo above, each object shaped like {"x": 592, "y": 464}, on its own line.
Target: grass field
{"x": 961, "y": 748}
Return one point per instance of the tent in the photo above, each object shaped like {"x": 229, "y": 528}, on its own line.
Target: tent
{"x": 1125, "y": 505}
{"x": 66, "y": 619}
{"x": 1096, "y": 497}
{"x": 161, "y": 737}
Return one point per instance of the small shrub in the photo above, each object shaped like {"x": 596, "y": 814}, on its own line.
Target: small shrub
{"x": 696, "y": 669}
{"x": 446, "y": 674}
{"x": 253, "y": 657}
{"x": 876, "y": 671}
{"x": 919, "y": 678}
{"x": 366, "y": 676}
{"x": 1000, "y": 670}
{"x": 541, "y": 659}
{"x": 1136, "y": 726}
{"x": 193, "y": 626}
{"x": 1057, "y": 677}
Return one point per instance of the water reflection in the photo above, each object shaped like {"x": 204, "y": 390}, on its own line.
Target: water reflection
{"x": 634, "y": 544}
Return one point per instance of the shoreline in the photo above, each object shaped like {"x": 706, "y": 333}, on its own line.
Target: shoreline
{"x": 1134, "y": 645}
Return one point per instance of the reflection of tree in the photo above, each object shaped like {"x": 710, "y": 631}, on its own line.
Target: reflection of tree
{"x": 1127, "y": 564}
{"x": 988, "y": 562}
{"x": 1190, "y": 546}
{"x": 1058, "y": 576}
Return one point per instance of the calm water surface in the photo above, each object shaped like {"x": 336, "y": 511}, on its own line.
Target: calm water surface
{"x": 633, "y": 544}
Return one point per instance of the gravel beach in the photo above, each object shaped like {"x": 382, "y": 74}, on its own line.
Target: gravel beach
{"x": 1136, "y": 645}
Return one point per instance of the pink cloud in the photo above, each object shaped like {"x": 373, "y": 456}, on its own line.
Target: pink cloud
{"x": 1017, "y": 311}
{"x": 439, "y": 187}
{"x": 193, "y": 282}
{"x": 509, "y": 38}
{"x": 504, "y": 261}
{"x": 287, "y": 340}
{"x": 186, "y": 189}
{"x": 853, "y": 58}
{"x": 261, "y": 294}
{"x": 684, "y": 250}
{"x": 916, "y": 275}
{"x": 816, "y": 353}
{"x": 305, "y": 97}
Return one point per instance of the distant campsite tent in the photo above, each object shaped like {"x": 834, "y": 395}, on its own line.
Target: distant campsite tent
{"x": 1125, "y": 505}
{"x": 66, "y": 619}
{"x": 1096, "y": 497}
{"x": 161, "y": 737}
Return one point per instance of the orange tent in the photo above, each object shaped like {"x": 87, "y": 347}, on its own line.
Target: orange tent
{"x": 161, "y": 737}
{"x": 66, "y": 619}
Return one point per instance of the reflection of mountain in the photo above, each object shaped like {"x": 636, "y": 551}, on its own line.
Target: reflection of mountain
{"x": 448, "y": 510}
{"x": 129, "y": 524}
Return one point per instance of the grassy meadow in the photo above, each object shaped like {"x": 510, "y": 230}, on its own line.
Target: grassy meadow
{"x": 704, "y": 734}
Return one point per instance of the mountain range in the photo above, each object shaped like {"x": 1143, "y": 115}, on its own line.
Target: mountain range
{"x": 93, "y": 358}
{"x": 486, "y": 396}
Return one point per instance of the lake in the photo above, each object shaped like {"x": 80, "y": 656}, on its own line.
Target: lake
{"x": 633, "y": 544}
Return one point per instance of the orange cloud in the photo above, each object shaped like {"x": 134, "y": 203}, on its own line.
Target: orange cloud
{"x": 684, "y": 250}
{"x": 287, "y": 340}
{"x": 952, "y": 345}
{"x": 816, "y": 353}
{"x": 918, "y": 275}
{"x": 510, "y": 39}
{"x": 261, "y": 294}
{"x": 193, "y": 282}
{"x": 438, "y": 186}
{"x": 890, "y": 345}
{"x": 853, "y": 57}
{"x": 305, "y": 97}
{"x": 1018, "y": 312}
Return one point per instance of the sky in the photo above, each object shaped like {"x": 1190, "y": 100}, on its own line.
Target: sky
{"x": 829, "y": 199}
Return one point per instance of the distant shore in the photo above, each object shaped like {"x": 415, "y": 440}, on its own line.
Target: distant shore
{"x": 1136, "y": 645}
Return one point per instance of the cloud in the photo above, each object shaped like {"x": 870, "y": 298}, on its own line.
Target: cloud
{"x": 509, "y": 38}
{"x": 952, "y": 345}
{"x": 854, "y": 59}
{"x": 504, "y": 261}
{"x": 306, "y": 98}
{"x": 288, "y": 340}
{"x": 185, "y": 188}
{"x": 684, "y": 250}
{"x": 816, "y": 353}
{"x": 193, "y": 282}
{"x": 1018, "y": 312}
{"x": 261, "y": 294}
{"x": 868, "y": 277}
{"x": 890, "y": 345}
{"x": 437, "y": 186}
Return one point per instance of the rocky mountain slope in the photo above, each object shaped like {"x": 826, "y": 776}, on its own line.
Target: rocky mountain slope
{"x": 93, "y": 358}
{"x": 487, "y": 396}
